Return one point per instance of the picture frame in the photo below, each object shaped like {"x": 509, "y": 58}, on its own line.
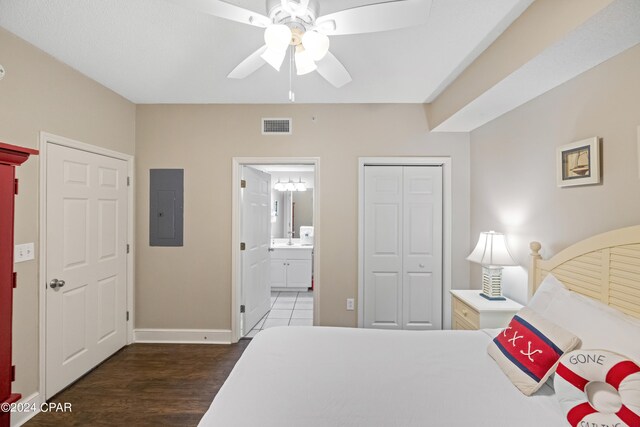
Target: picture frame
{"x": 578, "y": 163}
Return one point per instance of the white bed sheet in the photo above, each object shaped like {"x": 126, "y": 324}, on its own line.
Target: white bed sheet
{"x": 317, "y": 376}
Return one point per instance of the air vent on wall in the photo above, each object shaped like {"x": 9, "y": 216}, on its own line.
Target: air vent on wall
{"x": 276, "y": 126}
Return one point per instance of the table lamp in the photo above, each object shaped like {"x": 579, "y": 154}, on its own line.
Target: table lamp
{"x": 492, "y": 253}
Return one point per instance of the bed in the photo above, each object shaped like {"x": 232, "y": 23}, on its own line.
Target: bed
{"x": 319, "y": 376}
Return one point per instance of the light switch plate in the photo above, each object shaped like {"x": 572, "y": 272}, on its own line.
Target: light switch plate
{"x": 24, "y": 252}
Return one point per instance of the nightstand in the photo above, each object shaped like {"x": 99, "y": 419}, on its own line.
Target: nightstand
{"x": 471, "y": 311}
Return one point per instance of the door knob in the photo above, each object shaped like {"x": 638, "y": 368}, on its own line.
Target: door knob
{"x": 421, "y": 265}
{"x": 55, "y": 283}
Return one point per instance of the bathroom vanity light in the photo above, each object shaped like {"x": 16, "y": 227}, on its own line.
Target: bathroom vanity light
{"x": 300, "y": 186}
{"x": 290, "y": 186}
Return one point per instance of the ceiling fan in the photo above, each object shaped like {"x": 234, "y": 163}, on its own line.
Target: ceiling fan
{"x": 295, "y": 25}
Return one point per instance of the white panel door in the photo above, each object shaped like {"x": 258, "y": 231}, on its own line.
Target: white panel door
{"x": 255, "y": 233}
{"x": 383, "y": 247}
{"x": 422, "y": 248}
{"x": 86, "y": 269}
{"x": 403, "y": 247}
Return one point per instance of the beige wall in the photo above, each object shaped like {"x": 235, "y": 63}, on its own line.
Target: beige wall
{"x": 190, "y": 287}
{"x": 37, "y": 94}
{"x": 513, "y": 163}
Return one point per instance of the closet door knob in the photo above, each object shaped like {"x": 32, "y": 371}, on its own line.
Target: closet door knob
{"x": 55, "y": 283}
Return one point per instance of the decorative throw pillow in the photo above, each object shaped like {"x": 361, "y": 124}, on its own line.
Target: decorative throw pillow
{"x": 529, "y": 348}
{"x": 598, "y": 387}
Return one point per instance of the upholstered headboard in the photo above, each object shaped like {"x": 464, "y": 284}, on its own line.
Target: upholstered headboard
{"x": 605, "y": 267}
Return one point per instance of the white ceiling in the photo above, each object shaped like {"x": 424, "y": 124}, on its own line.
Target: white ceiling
{"x": 152, "y": 51}
{"x": 613, "y": 30}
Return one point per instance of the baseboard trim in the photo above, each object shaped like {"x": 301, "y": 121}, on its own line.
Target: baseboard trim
{"x": 19, "y": 418}
{"x": 183, "y": 336}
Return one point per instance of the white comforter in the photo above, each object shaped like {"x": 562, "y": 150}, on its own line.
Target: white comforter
{"x": 304, "y": 376}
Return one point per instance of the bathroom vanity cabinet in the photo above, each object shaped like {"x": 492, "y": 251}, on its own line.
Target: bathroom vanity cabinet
{"x": 291, "y": 268}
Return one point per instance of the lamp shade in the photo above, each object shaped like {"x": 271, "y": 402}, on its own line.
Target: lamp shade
{"x": 274, "y": 57}
{"x": 277, "y": 37}
{"x": 304, "y": 62}
{"x": 317, "y": 44}
{"x": 491, "y": 250}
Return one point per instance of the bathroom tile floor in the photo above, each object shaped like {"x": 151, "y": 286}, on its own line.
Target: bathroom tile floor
{"x": 287, "y": 309}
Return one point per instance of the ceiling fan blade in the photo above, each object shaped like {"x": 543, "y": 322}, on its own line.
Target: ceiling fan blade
{"x": 391, "y": 15}
{"x": 249, "y": 66}
{"x": 225, "y": 10}
{"x": 333, "y": 71}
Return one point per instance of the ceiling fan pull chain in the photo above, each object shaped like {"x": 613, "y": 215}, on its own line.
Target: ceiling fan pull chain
{"x": 292, "y": 96}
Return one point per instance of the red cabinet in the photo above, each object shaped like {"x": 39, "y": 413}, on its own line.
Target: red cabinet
{"x": 10, "y": 157}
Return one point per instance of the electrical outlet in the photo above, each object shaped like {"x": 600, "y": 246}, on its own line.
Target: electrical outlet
{"x": 350, "y": 304}
{"x": 24, "y": 252}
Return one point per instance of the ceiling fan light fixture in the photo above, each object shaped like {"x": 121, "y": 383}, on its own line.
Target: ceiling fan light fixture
{"x": 316, "y": 43}
{"x": 274, "y": 57}
{"x": 277, "y": 37}
{"x": 304, "y": 62}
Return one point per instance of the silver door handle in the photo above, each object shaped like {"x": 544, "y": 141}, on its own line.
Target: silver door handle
{"x": 421, "y": 265}
{"x": 55, "y": 283}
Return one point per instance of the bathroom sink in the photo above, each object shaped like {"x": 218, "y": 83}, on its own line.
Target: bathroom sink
{"x": 285, "y": 245}
{"x": 294, "y": 246}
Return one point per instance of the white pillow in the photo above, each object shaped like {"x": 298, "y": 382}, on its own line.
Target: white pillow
{"x": 539, "y": 302}
{"x": 596, "y": 324}
{"x": 547, "y": 291}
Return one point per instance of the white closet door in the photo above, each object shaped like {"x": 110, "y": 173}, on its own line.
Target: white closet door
{"x": 422, "y": 248}
{"x": 383, "y": 247}
{"x": 403, "y": 247}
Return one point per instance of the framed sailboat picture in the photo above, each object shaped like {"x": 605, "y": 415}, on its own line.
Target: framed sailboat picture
{"x": 578, "y": 163}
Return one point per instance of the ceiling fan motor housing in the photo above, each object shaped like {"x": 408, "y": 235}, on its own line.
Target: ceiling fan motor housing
{"x": 303, "y": 22}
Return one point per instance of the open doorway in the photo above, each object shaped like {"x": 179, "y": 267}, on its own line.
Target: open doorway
{"x": 275, "y": 250}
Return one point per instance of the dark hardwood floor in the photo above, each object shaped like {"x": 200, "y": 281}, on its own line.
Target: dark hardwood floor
{"x": 147, "y": 385}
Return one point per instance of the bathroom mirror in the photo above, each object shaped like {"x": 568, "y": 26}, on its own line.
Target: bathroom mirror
{"x": 302, "y": 210}
{"x": 296, "y": 205}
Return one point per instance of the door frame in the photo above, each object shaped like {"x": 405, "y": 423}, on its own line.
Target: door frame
{"x": 445, "y": 163}
{"x": 45, "y": 140}
{"x": 236, "y": 267}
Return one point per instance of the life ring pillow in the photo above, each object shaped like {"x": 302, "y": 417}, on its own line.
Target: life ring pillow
{"x": 598, "y": 388}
